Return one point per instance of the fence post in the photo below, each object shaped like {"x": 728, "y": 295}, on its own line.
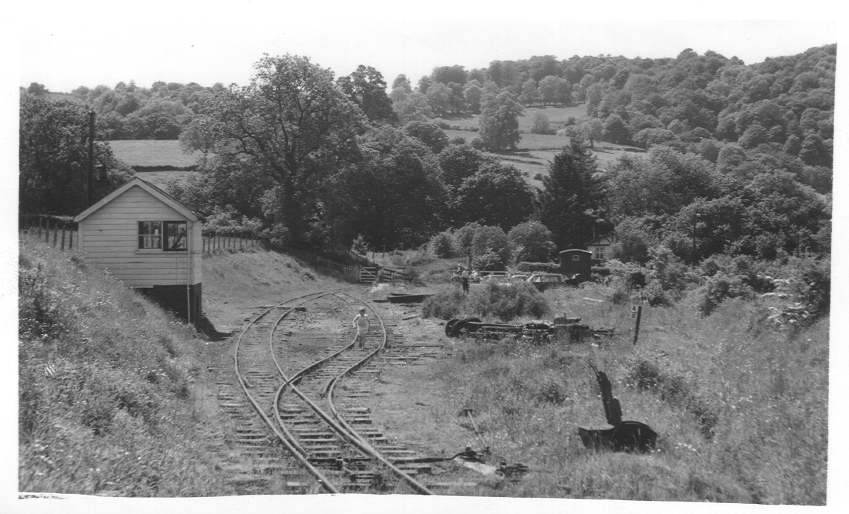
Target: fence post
{"x": 70, "y": 239}
{"x": 63, "y": 239}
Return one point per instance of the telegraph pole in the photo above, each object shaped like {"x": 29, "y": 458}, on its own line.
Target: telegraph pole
{"x": 90, "y": 156}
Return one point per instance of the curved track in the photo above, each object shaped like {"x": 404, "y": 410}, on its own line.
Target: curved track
{"x": 296, "y": 395}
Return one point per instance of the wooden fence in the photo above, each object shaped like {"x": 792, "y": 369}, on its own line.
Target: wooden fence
{"x": 58, "y": 231}
{"x": 220, "y": 242}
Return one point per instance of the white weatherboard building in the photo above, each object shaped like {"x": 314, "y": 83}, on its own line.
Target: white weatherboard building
{"x": 148, "y": 240}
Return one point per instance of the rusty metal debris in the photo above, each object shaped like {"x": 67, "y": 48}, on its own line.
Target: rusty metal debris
{"x": 623, "y": 435}
{"x": 565, "y": 329}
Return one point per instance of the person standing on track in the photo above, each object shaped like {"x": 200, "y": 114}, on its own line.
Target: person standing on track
{"x": 464, "y": 279}
{"x": 361, "y": 323}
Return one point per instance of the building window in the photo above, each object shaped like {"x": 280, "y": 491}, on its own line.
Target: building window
{"x": 175, "y": 235}
{"x": 150, "y": 235}
{"x": 171, "y": 236}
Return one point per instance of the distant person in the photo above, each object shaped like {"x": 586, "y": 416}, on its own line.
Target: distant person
{"x": 361, "y": 323}
{"x": 464, "y": 279}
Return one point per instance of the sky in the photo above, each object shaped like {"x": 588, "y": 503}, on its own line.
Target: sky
{"x": 65, "y": 45}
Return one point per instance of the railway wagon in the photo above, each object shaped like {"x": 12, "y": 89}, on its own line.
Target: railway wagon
{"x": 150, "y": 241}
{"x": 576, "y": 262}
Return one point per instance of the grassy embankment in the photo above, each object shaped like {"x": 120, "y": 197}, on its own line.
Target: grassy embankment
{"x": 113, "y": 395}
{"x": 740, "y": 404}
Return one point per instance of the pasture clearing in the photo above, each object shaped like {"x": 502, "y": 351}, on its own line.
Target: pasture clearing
{"x": 153, "y": 153}
{"x": 557, "y": 117}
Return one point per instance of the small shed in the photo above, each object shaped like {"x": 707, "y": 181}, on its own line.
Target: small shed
{"x": 148, "y": 240}
{"x": 576, "y": 262}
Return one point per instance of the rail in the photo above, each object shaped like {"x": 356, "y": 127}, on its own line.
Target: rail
{"x": 340, "y": 426}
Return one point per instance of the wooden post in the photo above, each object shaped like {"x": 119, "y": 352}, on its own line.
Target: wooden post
{"x": 89, "y": 192}
{"x": 63, "y": 239}
{"x": 70, "y": 239}
{"x": 637, "y": 324}
{"x": 55, "y": 235}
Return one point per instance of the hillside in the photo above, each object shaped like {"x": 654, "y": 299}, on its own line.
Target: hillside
{"x": 113, "y": 393}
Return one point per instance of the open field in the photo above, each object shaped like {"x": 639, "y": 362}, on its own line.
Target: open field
{"x": 557, "y": 117}
{"x": 152, "y": 152}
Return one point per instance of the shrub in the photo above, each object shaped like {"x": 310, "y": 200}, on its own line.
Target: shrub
{"x": 718, "y": 288}
{"x": 443, "y": 245}
{"x": 491, "y": 239}
{"x": 506, "y": 301}
{"x": 445, "y": 304}
{"x": 489, "y": 261}
{"x": 531, "y": 240}
{"x": 812, "y": 287}
{"x": 477, "y": 143}
{"x": 545, "y": 267}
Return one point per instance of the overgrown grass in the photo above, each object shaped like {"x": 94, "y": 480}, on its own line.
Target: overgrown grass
{"x": 739, "y": 402}
{"x": 107, "y": 392}
{"x": 489, "y": 300}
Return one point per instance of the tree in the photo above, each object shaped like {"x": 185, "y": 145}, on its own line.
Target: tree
{"x": 401, "y": 81}
{"x": 529, "y": 94}
{"x": 531, "y": 241}
{"x": 53, "y": 158}
{"x": 548, "y": 89}
{"x": 594, "y": 96}
{"x": 459, "y": 162}
{"x": 495, "y": 195}
{"x": 498, "y": 121}
{"x": 541, "y": 124}
{"x": 446, "y": 74}
{"x": 472, "y": 95}
{"x": 413, "y": 107}
{"x": 37, "y": 89}
{"x": 570, "y": 202}
{"x": 491, "y": 240}
{"x": 563, "y": 92}
{"x": 439, "y": 98}
{"x": 292, "y": 124}
{"x": 392, "y": 196}
{"x": 428, "y": 133}
{"x": 814, "y": 151}
{"x": 366, "y": 87}
{"x": 615, "y": 130}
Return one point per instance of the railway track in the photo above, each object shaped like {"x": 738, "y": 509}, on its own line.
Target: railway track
{"x": 298, "y": 421}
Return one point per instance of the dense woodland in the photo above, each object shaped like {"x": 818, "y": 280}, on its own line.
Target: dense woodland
{"x": 738, "y": 157}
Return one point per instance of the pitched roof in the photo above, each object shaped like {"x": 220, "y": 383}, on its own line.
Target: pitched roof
{"x": 154, "y": 191}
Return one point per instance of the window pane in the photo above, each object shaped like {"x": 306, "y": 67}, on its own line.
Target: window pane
{"x": 150, "y": 234}
{"x": 175, "y": 235}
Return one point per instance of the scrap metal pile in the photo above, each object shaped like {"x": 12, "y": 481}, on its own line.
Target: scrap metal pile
{"x": 563, "y": 329}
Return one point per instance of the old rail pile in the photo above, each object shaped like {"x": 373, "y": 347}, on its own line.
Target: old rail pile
{"x": 302, "y": 425}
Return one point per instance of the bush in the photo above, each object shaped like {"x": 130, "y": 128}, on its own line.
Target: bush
{"x": 506, "y": 301}
{"x": 445, "y": 304}
{"x": 531, "y": 240}
{"x": 720, "y": 287}
{"x": 813, "y": 287}
{"x": 489, "y": 261}
{"x": 443, "y": 245}
{"x": 545, "y": 267}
